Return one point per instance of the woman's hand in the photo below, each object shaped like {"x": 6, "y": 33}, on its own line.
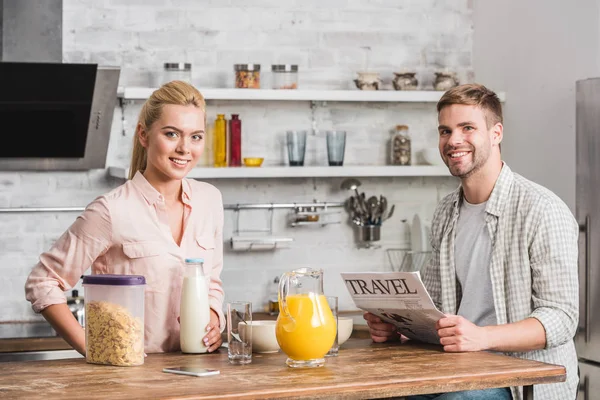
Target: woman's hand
{"x": 213, "y": 340}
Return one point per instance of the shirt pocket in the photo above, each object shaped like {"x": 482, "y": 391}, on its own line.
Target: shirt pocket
{"x": 147, "y": 259}
{"x": 205, "y": 249}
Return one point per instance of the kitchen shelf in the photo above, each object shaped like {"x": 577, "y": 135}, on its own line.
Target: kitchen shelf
{"x": 414, "y": 96}
{"x": 303, "y": 172}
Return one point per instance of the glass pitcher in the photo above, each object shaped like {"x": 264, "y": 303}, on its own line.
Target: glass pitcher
{"x": 305, "y": 327}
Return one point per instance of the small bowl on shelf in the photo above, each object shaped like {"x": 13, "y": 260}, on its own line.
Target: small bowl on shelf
{"x": 253, "y": 161}
{"x": 431, "y": 156}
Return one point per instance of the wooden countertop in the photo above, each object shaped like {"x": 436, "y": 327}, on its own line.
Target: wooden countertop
{"x": 362, "y": 370}
{"x": 57, "y": 343}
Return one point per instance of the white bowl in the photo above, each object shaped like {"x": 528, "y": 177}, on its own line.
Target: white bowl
{"x": 431, "y": 156}
{"x": 345, "y": 326}
{"x": 263, "y": 336}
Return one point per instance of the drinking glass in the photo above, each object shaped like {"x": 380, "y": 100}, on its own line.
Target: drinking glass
{"x": 336, "y": 146}
{"x": 239, "y": 332}
{"x": 296, "y": 144}
{"x": 333, "y": 304}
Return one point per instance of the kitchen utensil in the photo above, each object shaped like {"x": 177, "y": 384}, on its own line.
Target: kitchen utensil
{"x": 391, "y": 212}
{"x": 382, "y": 207}
{"x": 354, "y": 184}
{"x": 372, "y": 205}
{"x": 305, "y": 327}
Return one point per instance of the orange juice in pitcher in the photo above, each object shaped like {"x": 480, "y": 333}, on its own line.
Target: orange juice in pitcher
{"x": 305, "y": 327}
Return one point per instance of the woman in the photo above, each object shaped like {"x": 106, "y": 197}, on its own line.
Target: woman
{"x": 147, "y": 226}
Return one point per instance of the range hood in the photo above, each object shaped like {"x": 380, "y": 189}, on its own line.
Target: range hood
{"x": 55, "y": 116}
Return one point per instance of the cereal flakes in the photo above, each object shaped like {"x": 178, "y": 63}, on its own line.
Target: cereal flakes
{"x": 112, "y": 335}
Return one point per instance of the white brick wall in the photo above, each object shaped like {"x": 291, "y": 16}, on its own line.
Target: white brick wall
{"x": 328, "y": 39}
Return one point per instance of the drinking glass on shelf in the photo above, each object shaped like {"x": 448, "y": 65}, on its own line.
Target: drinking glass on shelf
{"x": 296, "y": 144}
{"x": 336, "y": 146}
{"x": 333, "y": 304}
{"x": 239, "y": 332}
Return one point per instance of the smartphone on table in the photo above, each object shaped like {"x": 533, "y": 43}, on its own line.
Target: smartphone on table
{"x": 193, "y": 371}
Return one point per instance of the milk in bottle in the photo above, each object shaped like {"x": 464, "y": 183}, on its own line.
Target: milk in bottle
{"x": 195, "y": 310}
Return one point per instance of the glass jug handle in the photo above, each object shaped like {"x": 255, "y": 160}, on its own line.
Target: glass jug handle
{"x": 284, "y": 290}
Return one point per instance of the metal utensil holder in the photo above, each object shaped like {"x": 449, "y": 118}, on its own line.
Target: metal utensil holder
{"x": 369, "y": 233}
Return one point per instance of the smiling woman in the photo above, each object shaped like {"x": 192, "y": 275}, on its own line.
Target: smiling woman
{"x": 147, "y": 226}
{"x": 170, "y": 128}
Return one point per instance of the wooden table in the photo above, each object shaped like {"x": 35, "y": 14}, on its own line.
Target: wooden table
{"x": 362, "y": 370}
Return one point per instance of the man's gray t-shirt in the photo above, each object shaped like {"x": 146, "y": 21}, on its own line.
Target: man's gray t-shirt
{"x": 472, "y": 256}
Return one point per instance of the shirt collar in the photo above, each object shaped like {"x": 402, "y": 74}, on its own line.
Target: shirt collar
{"x": 186, "y": 192}
{"x": 498, "y": 197}
{"x": 152, "y": 195}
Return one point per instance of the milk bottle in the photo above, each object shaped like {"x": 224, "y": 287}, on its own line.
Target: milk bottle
{"x": 195, "y": 310}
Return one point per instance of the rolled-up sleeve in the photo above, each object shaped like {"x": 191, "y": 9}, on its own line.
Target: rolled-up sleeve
{"x": 60, "y": 267}
{"x": 215, "y": 292}
{"x": 555, "y": 293}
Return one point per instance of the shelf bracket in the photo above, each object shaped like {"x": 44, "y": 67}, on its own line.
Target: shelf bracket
{"x": 313, "y": 119}
{"x": 122, "y": 108}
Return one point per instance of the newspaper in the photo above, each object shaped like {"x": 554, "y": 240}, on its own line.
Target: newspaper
{"x": 399, "y": 298}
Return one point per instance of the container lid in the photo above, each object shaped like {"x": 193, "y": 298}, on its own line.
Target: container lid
{"x": 246, "y": 67}
{"x": 194, "y": 260}
{"x": 114, "y": 280}
{"x": 178, "y": 67}
{"x": 284, "y": 68}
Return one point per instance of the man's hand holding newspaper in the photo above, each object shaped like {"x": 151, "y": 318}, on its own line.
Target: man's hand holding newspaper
{"x": 399, "y": 298}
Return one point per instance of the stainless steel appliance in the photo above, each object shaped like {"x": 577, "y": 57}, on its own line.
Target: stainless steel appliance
{"x": 588, "y": 216}
{"x": 56, "y": 116}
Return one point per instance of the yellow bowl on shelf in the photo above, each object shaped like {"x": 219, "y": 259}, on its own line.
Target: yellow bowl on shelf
{"x": 253, "y": 161}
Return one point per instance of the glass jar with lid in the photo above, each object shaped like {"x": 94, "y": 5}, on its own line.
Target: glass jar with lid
{"x": 174, "y": 72}
{"x": 285, "y": 76}
{"x": 400, "y": 146}
{"x": 247, "y": 76}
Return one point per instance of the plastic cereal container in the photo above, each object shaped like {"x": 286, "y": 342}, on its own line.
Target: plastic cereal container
{"x": 114, "y": 311}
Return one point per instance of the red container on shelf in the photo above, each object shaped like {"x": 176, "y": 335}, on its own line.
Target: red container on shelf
{"x": 235, "y": 141}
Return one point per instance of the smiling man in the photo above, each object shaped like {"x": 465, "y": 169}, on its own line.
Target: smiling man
{"x": 504, "y": 262}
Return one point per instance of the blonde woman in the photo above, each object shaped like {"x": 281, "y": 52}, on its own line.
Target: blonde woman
{"x": 147, "y": 226}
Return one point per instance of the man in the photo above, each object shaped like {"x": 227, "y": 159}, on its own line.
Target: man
{"x": 504, "y": 263}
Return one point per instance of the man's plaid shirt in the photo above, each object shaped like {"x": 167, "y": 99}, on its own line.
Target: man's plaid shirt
{"x": 533, "y": 268}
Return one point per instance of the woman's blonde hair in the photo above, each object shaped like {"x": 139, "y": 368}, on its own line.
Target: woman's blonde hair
{"x": 175, "y": 92}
